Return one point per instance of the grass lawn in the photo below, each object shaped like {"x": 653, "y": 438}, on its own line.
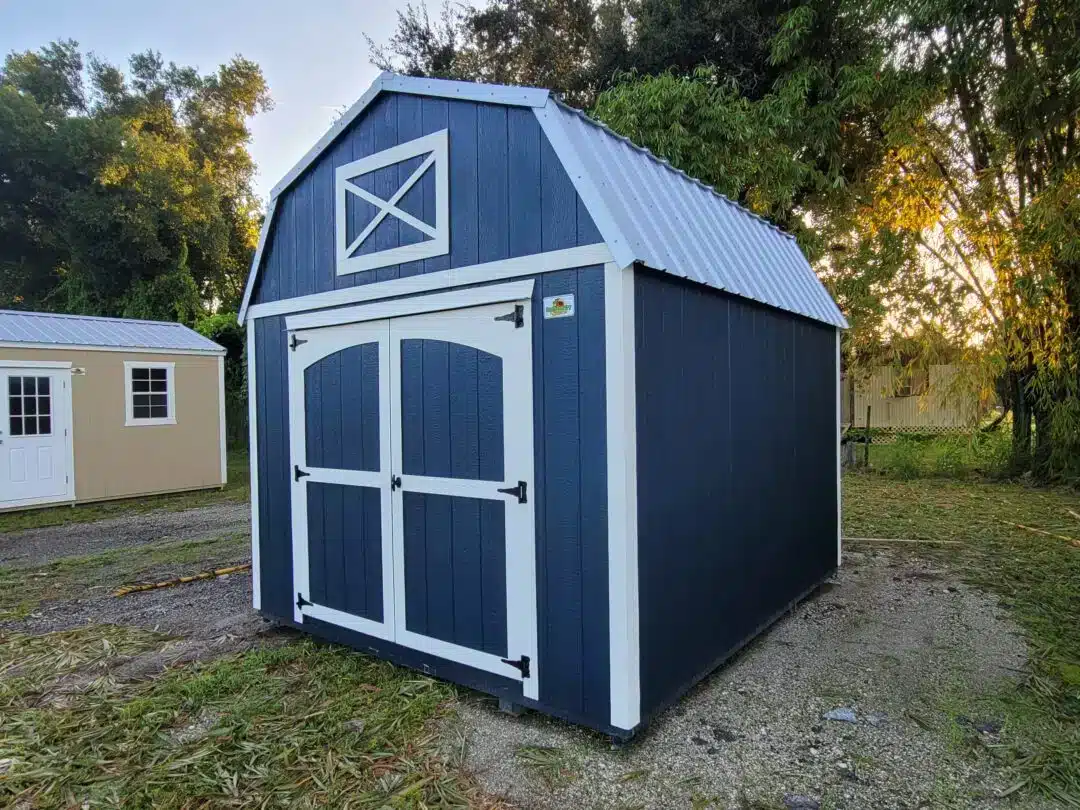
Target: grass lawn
{"x": 237, "y": 489}
{"x": 304, "y": 725}
{"x": 1037, "y": 577}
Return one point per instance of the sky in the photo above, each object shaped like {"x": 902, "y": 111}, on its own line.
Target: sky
{"x": 312, "y": 52}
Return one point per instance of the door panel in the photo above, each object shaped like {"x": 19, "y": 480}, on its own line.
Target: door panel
{"x": 455, "y": 570}
{"x": 461, "y": 431}
{"x": 338, "y": 392}
{"x": 35, "y": 419}
{"x": 342, "y": 409}
{"x": 345, "y": 548}
{"x": 452, "y": 410}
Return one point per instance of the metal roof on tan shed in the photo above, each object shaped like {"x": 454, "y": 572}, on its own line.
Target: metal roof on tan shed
{"x": 51, "y": 329}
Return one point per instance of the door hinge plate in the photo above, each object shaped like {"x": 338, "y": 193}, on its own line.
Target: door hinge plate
{"x": 296, "y": 342}
{"x": 298, "y": 473}
{"x": 521, "y": 492}
{"x": 519, "y": 664}
{"x": 301, "y": 601}
{"x": 517, "y": 317}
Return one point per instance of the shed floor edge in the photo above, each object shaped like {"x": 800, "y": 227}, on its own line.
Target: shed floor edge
{"x": 451, "y": 671}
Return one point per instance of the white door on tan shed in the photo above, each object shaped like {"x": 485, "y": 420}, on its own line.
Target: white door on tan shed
{"x": 35, "y": 434}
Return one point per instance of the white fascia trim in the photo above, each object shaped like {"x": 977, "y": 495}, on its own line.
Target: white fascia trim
{"x": 624, "y": 639}
{"x": 533, "y": 264}
{"x": 256, "y": 260}
{"x": 170, "y": 391}
{"x": 74, "y": 347}
{"x": 551, "y": 122}
{"x": 253, "y": 461}
{"x": 839, "y": 471}
{"x": 34, "y": 364}
{"x": 439, "y": 88}
{"x": 456, "y": 299}
{"x": 221, "y": 418}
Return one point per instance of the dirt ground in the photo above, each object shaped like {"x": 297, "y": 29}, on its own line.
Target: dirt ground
{"x": 893, "y": 639}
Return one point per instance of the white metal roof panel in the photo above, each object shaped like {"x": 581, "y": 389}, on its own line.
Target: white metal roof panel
{"x": 653, "y": 213}
{"x": 44, "y": 328}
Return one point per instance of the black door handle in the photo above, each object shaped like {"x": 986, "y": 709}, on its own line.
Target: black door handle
{"x": 395, "y": 482}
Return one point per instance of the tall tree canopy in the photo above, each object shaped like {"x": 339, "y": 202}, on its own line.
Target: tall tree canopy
{"x": 125, "y": 194}
{"x": 577, "y": 47}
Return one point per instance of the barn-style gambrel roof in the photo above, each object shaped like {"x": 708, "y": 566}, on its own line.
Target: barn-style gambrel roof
{"x": 646, "y": 210}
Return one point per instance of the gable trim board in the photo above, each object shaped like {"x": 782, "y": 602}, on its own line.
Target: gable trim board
{"x": 646, "y": 210}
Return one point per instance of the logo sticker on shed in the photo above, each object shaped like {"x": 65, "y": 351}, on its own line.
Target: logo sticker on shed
{"x": 559, "y": 306}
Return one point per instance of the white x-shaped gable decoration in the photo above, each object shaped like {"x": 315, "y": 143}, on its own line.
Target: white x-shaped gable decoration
{"x": 437, "y": 235}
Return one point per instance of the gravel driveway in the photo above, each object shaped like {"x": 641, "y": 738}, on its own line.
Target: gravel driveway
{"x": 39, "y": 546}
{"x": 889, "y": 639}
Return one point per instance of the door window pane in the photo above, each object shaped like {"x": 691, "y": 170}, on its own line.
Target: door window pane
{"x": 29, "y": 406}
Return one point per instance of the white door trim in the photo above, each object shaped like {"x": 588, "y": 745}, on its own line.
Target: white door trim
{"x": 400, "y": 307}
{"x": 318, "y": 346}
{"x": 625, "y": 653}
{"x": 63, "y": 370}
{"x": 535, "y": 263}
{"x": 484, "y": 333}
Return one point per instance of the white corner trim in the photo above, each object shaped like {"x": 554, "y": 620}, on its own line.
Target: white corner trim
{"x": 5, "y": 363}
{"x": 551, "y": 122}
{"x": 839, "y": 461}
{"x": 253, "y": 461}
{"x": 533, "y": 264}
{"x": 221, "y": 418}
{"x": 456, "y": 299}
{"x": 436, "y": 147}
{"x": 625, "y": 654}
{"x": 170, "y": 390}
{"x": 74, "y": 347}
{"x": 256, "y": 260}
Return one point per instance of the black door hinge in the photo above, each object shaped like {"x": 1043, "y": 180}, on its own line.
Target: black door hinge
{"x": 296, "y": 342}
{"x": 517, "y": 317}
{"x": 522, "y": 664}
{"x": 301, "y": 601}
{"x": 297, "y": 473}
{"x": 395, "y": 482}
{"x": 521, "y": 492}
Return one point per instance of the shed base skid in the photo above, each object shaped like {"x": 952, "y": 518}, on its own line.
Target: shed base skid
{"x": 505, "y": 689}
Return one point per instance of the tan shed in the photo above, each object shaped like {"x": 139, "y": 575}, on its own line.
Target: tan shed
{"x": 100, "y": 408}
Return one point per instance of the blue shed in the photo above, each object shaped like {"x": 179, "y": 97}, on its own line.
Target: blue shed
{"x": 531, "y": 410}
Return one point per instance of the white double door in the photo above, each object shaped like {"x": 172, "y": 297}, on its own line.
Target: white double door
{"x": 412, "y": 460}
{"x": 35, "y": 435}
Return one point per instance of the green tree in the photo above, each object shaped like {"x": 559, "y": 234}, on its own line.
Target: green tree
{"x": 928, "y": 161}
{"x": 125, "y": 194}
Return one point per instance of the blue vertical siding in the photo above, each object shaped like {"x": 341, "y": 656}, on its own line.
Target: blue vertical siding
{"x": 736, "y": 431}
{"x": 569, "y": 489}
{"x": 509, "y": 196}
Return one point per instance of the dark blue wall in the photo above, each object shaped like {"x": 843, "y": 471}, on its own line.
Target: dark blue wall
{"x": 509, "y": 196}
{"x": 569, "y": 490}
{"x": 736, "y": 431}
